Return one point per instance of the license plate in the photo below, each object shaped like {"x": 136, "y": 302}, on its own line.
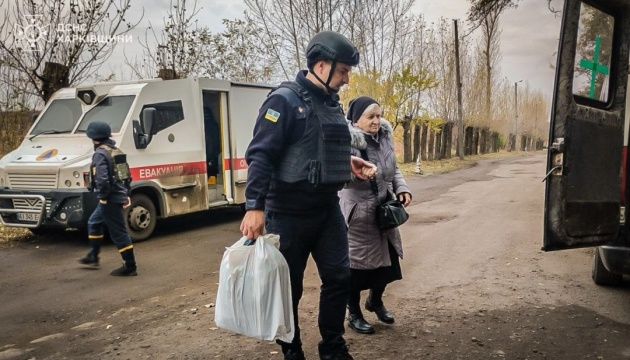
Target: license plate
{"x": 28, "y": 217}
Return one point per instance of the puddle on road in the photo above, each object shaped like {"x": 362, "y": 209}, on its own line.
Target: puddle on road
{"x": 431, "y": 217}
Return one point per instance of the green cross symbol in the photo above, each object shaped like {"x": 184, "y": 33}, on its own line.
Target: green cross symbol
{"x": 594, "y": 66}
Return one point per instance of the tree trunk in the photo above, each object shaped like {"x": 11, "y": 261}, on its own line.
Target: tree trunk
{"x": 416, "y": 141}
{"x": 438, "y": 143}
{"x": 431, "y": 143}
{"x": 449, "y": 141}
{"x": 167, "y": 74}
{"x": 475, "y": 147}
{"x": 407, "y": 140}
{"x": 423, "y": 147}
{"x": 469, "y": 141}
{"x": 489, "y": 142}
{"x": 55, "y": 77}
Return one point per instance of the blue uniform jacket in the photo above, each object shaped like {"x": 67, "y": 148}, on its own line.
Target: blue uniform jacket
{"x": 281, "y": 121}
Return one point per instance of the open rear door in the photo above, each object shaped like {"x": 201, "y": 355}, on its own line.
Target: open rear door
{"x": 583, "y": 183}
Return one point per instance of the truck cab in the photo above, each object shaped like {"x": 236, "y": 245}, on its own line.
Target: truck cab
{"x": 185, "y": 142}
{"x": 586, "y": 184}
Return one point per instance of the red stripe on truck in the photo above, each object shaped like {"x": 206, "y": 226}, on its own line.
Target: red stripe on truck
{"x": 167, "y": 170}
{"x": 235, "y": 164}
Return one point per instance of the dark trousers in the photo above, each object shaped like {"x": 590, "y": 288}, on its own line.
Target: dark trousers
{"x": 113, "y": 217}
{"x": 323, "y": 235}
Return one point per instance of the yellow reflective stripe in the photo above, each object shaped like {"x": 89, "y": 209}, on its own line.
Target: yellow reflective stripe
{"x": 95, "y": 236}
{"x": 126, "y": 248}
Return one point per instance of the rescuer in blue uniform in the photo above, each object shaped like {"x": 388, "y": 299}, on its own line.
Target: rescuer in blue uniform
{"x": 298, "y": 159}
{"x": 110, "y": 180}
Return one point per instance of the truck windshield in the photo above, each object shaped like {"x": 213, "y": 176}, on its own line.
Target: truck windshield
{"x": 60, "y": 117}
{"x": 112, "y": 110}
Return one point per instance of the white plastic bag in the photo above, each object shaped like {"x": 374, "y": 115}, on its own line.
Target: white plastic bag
{"x": 254, "y": 296}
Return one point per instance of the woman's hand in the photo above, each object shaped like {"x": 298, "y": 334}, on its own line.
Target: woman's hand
{"x": 404, "y": 198}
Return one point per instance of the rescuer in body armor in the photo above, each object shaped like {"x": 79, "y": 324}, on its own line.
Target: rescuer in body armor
{"x": 110, "y": 180}
{"x": 298, "y": 159}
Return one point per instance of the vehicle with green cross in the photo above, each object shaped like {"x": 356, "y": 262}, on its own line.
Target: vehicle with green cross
{"x": 586, "y": 182}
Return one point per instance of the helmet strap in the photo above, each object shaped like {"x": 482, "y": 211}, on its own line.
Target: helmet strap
{"x": 330, "y": 75}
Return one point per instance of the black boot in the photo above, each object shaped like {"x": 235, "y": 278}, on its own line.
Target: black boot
{"x": 359, "y": 324}
{"x": 292, "y": 351}
{"x": 129, "y": 266}
{"x": 294, "y": 354}
{"x": 89, "y": 259}
{"x": 381, "y": 312}
{"x": 342, "y": 355}
{"x": 92, "y": 256}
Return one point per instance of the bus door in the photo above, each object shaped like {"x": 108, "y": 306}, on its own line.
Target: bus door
{"x": 583, "y": 181}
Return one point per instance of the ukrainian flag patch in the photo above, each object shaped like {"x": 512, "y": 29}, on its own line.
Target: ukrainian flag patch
{"x": 272, "y": 115}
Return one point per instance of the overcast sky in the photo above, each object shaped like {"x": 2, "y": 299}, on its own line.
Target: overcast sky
{"x": 529, "y": 37}
{"x": 528, "y": 42}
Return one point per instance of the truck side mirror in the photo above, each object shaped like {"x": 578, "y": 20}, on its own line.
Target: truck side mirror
{"x": 148, "y": 117}
{"x": 143, "y": 129}
{"x": 34, "y": 118}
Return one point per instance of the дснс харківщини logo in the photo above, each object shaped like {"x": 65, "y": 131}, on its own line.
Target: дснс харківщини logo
{"x": 32, "y": 33}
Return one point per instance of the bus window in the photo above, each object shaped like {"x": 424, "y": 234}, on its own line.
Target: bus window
{"x": 593, "y": 54}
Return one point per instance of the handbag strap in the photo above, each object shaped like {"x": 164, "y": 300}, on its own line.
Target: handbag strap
{"x": 373, "y": 183}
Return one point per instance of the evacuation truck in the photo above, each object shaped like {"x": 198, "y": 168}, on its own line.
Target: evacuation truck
{"x": 587, "y": 187}
{"x": 185, "y": 142}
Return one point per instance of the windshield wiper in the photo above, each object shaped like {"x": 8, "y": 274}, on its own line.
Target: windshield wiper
{"x": 50, "y": 132}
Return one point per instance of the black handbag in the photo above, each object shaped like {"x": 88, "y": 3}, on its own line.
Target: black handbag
{"x": 391, "y": 213}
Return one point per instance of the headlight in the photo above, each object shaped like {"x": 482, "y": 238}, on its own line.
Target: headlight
{"x": 68, "y": 183}
{"x": 76, "y": 174}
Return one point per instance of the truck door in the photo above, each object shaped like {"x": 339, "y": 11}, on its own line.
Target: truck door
{"x": 583, "y": 182}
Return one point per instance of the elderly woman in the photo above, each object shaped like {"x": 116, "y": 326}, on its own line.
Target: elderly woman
{"x": 374, "y": 253}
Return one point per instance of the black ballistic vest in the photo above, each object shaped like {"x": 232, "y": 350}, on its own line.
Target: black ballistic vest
{"x": 321, "y": 157}
{"x": 118, "y": 169}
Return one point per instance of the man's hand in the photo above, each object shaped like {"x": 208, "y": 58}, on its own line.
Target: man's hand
{"x": 362, "y": 169}
{"x": 103, "y": 201}
{"x": 127, "y": 203}
{"x": 253, "y": 224}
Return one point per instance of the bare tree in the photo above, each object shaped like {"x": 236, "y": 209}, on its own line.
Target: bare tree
{"x": 491, "y": 56}
{"x": 288, "y": 25}
{"x": 238, "y": 56}
{"x": 15, "y": 108}
{"x": 180, "y": 49}
{"x": 56, "y": 43}
{"x": 479, "y": 9}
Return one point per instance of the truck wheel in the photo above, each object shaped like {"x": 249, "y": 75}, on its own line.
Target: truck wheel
{"x": 141, "y": 217}
{"x": 601, "y": 276}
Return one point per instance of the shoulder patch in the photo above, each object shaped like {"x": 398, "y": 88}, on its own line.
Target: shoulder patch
{"x": 272, "y": 115}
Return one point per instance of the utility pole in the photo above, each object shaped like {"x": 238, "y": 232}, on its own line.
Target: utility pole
{"x": 460, "y": 117}
{"x": 516, "y": 114}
